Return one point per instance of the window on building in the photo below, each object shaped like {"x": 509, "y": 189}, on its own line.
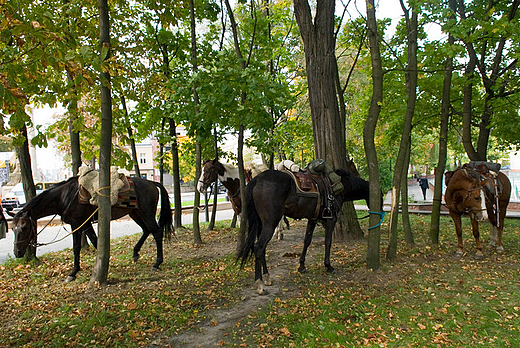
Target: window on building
{"x": 142, "y": 158}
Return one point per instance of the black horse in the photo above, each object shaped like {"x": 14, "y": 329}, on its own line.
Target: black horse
{"x": 63, "y": 200}
{"x": 274, "y": 193}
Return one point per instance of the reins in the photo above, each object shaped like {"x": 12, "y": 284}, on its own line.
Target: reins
{"x": 72, "y": 232}
{"x": 380, "y": 213}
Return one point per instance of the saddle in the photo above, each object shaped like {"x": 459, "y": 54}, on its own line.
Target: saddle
{"x": 315, "y": 186}
{"x": 126, "y": 198}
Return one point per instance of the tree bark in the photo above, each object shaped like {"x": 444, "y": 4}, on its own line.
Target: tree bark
{"x": 132, "y": 140}
{"x": 240, "y": 150}
{"x": 323, "y": 84}
{"x": 374, "y": 234}
{"x": 443, "y": 140}
{"x": 100, "y": 271}
{"x": 24, "y": 160}
{"x": 177, "y": 202}
{"x": 401, "y": 165}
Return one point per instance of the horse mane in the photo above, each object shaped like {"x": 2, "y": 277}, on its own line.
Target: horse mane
{"x": 42, "y": 197}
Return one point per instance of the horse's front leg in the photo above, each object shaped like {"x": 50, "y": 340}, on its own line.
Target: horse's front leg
{"x": 476, "y": 234}
{"x": 458, "y": 229}
{"x": 76, "y": 248}
{"x": 311, "y": 224}
{"x": 329, "y": 229}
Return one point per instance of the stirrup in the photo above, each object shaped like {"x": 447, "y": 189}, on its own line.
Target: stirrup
{"x": 327, "y": 213}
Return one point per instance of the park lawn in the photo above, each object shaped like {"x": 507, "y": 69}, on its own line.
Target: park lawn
{"x": 425, "y": 298}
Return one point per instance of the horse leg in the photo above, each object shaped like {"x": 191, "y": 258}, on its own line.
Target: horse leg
{"x": 139, "y": 244}
{"x": 476, "y": 234}
{"x": 329, "y": 229}
{"x": 89, "y": 231}
{"x": 500, "y": 228}
{"x": 311, "y": 224}
{"x": 261, "y": 270}
{"x": 76, "y": 248}
{"x": 458, "y": 228}
{"x": 158, "y": 236}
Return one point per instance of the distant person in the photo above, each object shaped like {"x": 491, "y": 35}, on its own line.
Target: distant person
{"x": 423, "y": 182}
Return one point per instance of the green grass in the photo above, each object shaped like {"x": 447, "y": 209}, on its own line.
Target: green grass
{"x": 425, "y": 298}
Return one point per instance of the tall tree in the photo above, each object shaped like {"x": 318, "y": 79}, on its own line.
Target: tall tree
{"x": 374, "y": 234}
{"x": 443, "y": 136}
{"x": 100, "y": 271}
{"x": 319, "y": 40}
{"x": 401, "y": 164}
{"x": 489, "y": 57}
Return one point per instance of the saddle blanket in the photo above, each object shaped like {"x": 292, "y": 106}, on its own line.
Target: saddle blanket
{"x": 126, "y": 198}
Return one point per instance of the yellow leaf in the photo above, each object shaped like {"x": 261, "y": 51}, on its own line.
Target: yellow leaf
{"x": 421, "y": 326}
{"x": 131, "y": 306}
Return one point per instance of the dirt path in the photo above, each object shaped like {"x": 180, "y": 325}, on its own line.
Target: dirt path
{"x": 282, "y": 260}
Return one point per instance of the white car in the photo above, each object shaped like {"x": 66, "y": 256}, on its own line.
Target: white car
{"x": 16, "y": 197}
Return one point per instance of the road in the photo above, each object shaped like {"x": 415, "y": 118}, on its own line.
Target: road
{"x": 118, "y": 228}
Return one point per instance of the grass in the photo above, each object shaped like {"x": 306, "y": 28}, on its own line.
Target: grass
{"x": 425, "y": 298}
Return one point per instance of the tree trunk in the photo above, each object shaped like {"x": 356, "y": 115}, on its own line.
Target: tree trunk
{"x": 211, "y": 225}
{"x": 323, "y": 84}
{"x": 374, "y": 235}
{"x": 24, "y": 160}
{"x": 177, "y": 202}
{"x": 443, "y": 140}
{"x": 196, "y": 200}
{"x": 401, "y": 165}
{"x": 408, "y": 234}
{"x": 100, "y": 271}
{"x": 240, "y": 154}
{"x": 132, "y": 140}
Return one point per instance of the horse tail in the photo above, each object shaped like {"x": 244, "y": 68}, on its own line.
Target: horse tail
{"x": 165, "y": 217}
{"x": 246, "y": 250}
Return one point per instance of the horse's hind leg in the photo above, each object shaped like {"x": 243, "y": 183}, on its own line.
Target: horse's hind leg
{"x": 89, "y": 231}
{"x": 261, "y": 271}
{"x": 311, "y": 224}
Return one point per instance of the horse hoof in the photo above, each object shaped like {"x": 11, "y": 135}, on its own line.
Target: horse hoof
{"x": 155, "y": 269}
{"x": 70, "y": 279}
{"x": 302, "y": 270}
{"x": 267, "y": 280}
{"x": 500, "y": 249}
{"x": 135, "y": 258}
{"x": 479, "y": 256}
{"x": 459, "y": 253}
{"x": 331, "y": 270}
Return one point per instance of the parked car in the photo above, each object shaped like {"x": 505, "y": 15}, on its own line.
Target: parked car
{"x": 16, "y": 197}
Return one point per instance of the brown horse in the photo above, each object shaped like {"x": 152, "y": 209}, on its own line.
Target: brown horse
{"x": 482, "y": 195}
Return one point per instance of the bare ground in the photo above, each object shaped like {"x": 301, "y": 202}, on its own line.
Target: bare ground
{"x": 282, "y": 260}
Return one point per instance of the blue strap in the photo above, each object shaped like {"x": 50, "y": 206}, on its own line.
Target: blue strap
{"x": 380, "y": 213}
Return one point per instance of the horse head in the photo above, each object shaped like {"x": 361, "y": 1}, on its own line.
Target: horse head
{"x": 24, "y": 229}
{"x": 208, "y": 175}
{"x": 466, "y": 194}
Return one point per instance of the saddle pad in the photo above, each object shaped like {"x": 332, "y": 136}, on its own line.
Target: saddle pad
{"x": 127, "y": 198}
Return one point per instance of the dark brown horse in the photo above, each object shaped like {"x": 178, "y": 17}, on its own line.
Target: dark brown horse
{"x": 63, "y": 200}
{"x": 274, "y": 193}
{"x": 482, "y": 195}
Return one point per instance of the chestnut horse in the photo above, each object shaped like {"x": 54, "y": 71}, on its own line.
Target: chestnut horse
{"x": 482, "y": 195}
